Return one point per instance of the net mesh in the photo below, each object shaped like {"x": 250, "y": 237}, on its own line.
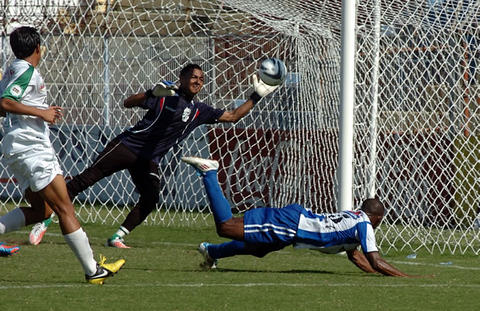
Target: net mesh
{"x": 416, "y": 138}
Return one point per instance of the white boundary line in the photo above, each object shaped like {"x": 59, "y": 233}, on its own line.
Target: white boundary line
{"x": 26, "y": 233}
{"x": 436, "y": 265}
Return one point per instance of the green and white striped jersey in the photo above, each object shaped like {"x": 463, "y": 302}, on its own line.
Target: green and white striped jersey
{"x": 23, "y": 83}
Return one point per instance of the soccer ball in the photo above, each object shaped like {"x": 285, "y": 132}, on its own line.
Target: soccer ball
{"x": 272, "y": 71}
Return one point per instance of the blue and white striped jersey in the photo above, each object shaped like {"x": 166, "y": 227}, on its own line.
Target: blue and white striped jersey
{"x": 293, "y": 224}
{"x": 334, "y": 233}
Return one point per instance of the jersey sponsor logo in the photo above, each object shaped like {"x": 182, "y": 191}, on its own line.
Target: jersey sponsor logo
{"x": 16, "y": 90}
{"x": 186, "y": 114}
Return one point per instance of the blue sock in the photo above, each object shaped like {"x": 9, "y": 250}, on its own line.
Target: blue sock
{"x": 227, "y": 249}
{"x": 218, "y": 203}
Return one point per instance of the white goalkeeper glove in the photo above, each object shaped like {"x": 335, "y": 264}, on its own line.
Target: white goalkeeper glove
{"x": 162, "y": 89}
{"x": 261, "y": 89}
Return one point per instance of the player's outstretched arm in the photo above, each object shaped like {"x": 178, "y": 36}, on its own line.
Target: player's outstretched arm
{"x": 162, "y": 89}
{"x": 380, "y": 265}
{"x": 261, "y": 90}
{"x": 134, "y": 100}
{"x": 238, "y": 113}
{"x": 359, "y": 260}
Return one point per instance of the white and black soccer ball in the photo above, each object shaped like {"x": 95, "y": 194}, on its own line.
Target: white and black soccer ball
{"x": 272, "y": 71}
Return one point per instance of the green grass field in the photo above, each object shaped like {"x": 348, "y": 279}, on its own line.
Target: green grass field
{"x": 162, "y": 273}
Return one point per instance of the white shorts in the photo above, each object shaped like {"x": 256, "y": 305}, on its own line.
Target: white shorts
{"x": 35, "y": 168}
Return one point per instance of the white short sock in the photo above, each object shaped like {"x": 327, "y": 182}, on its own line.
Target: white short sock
{"x": 122, "y": 231}
{"x": 78, "y": 242}
{"x": 12, "y": 221}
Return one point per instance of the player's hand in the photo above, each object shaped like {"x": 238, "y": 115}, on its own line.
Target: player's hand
{"x": 261, "y": 88}
{"x": 52, "y": 114}
{"x": 164, "y": 88}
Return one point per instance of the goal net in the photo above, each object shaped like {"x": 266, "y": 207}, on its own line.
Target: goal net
{"x": 416, "y": 129}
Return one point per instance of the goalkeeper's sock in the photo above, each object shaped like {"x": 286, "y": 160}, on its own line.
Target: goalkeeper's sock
{"x": 218, "y": 203}
{"x": 121, "y": 232}
{"x": 47, "y": 221}
{"x": 227, "y": 249}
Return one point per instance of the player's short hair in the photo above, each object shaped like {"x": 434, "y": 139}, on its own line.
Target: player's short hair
{"x": 373, "y": 207}
{"x": 188, "y": 69}
{"x": 24, "y": 40}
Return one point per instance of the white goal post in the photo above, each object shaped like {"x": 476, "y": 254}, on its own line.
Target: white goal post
{"x": 416, "y": 106}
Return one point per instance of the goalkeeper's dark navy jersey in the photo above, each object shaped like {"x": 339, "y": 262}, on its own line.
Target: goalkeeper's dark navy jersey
{"x": 167, "y": 122}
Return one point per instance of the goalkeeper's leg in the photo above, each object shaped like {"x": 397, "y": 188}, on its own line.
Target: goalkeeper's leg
{"x": 115, "y": 157}
{"x": 145, "y": 176}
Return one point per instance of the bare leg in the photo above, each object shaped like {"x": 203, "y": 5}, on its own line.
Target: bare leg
{"x": 232, "y": 229}
{"x": 22, "y": 216}
{"x": 38, "y": 210}
{"x": 56, "y": 196}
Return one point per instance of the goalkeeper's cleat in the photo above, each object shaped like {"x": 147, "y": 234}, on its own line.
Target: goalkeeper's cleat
{"x": 201, "y": 165}
{"x": 117, "y": 242}
{"x": 209, "y": 263}
{"x": 7, "y": 250}
{"x": 104, "y": 270}
{"x": 37, "y": 233}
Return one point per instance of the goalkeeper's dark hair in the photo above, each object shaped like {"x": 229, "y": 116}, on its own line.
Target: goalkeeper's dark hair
{"x": 24, "y": 40}
{"x": 373, "y": 207}
{"x": 188, "y": 69}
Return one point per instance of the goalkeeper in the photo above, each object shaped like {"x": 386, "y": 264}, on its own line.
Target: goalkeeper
{"x": 172, "y": 114}
{"x": 264, "y": 230}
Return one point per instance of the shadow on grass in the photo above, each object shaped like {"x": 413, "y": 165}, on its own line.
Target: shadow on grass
{"x": 294, "y": 271}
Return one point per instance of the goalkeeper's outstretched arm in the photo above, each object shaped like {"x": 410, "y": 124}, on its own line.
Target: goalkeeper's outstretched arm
{"x": 134, "y": 100}
{"x": 261, "y": 90}
{"x": 238, "y": 113}
{"x": 162, "y": 89}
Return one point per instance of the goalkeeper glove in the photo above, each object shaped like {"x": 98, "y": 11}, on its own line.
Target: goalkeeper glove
{"x": 162, "y": 89}
{"x": 261, "y": 89}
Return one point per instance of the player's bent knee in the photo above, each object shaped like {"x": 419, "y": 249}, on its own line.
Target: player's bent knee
{"x": 230, "y": 229}
{"x": 222, "y": 231}
{"x": 146, "y": 209}
{"x": 148, "y": 202}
